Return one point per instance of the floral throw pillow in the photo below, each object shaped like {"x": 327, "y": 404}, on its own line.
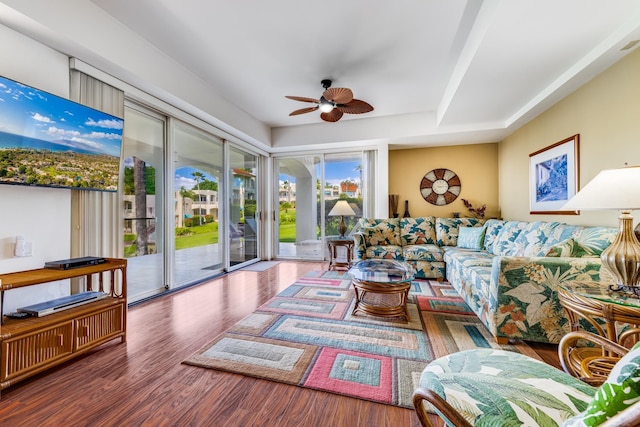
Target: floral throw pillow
{"x": 470, "y": 237}
{"x": 621, "y": 390}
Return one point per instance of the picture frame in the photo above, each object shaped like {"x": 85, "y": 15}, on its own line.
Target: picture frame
{"x": 554, "y": 176}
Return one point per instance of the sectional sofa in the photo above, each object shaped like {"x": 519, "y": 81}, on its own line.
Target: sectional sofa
{"x": 508, "y": 272}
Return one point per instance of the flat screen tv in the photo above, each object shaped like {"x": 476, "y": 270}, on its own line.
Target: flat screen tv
{"x": 46, "y": 140}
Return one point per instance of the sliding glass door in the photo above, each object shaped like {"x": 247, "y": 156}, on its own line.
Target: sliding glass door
{"x": 197, "y": 181}
{"x": 297, "y": 233}
{"x": 343, "y": 174}
{"x": 308, "y": 189}
{"x": 144, "y": 139}
{"x": 243, "y": 204}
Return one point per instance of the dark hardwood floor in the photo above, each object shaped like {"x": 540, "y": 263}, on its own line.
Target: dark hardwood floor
{"x": 143, "y": 383}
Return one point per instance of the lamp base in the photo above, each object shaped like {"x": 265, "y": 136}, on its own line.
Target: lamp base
{"x": 622, "y": 257}
{"x": 632, "y": 290}
{"x": 343, "y": 226}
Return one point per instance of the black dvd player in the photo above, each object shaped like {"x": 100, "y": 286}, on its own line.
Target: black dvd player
{"x": 66, "y": 264}
{"x": 63, "y": 303}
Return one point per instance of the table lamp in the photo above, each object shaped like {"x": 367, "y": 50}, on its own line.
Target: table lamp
{"x": 616, "y": 189}
{"x": 342, "y": 209}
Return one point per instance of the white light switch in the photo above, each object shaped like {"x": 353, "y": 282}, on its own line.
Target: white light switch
{"x": 23, "y": 248}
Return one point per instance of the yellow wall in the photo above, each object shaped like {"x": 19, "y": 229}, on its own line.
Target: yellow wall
{"x": 606, "y": 114}
{"x": 476, "y": 165}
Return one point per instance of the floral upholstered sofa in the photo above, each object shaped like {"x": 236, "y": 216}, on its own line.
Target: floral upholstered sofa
{"x": 417, "y": 241}
{"x": 511, "y": 282}
{"x": 509, "y": 274}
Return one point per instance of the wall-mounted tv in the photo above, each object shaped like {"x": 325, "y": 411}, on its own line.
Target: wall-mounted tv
{"x": 46, "y": 140}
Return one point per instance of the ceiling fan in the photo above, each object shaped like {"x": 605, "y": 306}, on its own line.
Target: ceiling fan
{"x": 333, "y": 103}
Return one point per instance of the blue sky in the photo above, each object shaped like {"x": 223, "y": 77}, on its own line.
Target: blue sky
{"x": 335, "y": 172}
{"x": 41, "y": 115}
{"x": 185, "y": 178}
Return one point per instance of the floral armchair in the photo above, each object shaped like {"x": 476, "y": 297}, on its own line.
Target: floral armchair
{"x": 502, "y": 388}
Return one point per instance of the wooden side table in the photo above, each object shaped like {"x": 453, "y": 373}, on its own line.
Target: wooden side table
{"x": 593, "y": 300}
{"x": 335, "y": 242}
{"x": 604, "y": 310}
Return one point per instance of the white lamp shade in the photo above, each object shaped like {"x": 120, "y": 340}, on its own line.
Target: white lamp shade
{"x": 611, "y": 189}
{"x": 342, "y": 208}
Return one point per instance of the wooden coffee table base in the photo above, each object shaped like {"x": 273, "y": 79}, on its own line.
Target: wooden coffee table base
{"x": 380, "y": 299}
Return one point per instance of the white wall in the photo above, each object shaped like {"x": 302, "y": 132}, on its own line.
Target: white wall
{"x": 41, "y": 215}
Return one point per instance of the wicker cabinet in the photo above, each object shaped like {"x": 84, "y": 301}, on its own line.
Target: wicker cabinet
{"x": 32, "y": 345}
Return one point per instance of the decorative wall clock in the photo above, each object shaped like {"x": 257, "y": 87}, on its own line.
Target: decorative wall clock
{"x": 440, "y": 187}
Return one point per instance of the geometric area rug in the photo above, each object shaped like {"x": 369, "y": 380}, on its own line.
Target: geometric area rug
{"x": 306, "y": 336}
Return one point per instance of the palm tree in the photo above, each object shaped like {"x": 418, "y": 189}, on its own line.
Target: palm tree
{"x": 359, "y": 169}
{"x": 140, "y": 191}
{"x": 198, "y": 176}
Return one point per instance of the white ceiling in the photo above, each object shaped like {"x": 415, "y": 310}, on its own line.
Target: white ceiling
{"x": 436, "y": 71}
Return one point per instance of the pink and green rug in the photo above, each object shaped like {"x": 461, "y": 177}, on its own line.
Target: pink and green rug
{"x": 307, "y": 336}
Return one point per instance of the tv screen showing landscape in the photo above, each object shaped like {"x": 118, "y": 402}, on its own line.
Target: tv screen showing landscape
{"x": 46, "y": 140}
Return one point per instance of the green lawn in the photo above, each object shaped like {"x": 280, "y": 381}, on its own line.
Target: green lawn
{"x": 206, "y": 234}
{"x": 288, "y": 232}
{"x": 287, "y": 225}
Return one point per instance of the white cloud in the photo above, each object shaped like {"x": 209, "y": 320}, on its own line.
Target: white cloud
{"x": 103, "y": 135}
{"x": 62, "y": 133}
{"x": 41, "y": 118}
{"x": 108, "y": 124}
{"x": 183, "y": 181}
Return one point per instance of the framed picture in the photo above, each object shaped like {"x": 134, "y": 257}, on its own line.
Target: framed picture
{"x": 553, "y": 176}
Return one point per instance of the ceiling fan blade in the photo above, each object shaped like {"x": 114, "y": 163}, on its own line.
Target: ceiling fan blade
{"x": 303, "y": 110}
{"x": 303, "y": 99}
{"x": 332, "y": 116}
{"x": 356, "y": 106}
{"x": 339, "y": 95}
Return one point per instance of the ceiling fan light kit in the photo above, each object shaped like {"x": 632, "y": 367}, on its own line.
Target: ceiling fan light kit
{"x": 326, "y": 105}
{"x": 333, "y": 103}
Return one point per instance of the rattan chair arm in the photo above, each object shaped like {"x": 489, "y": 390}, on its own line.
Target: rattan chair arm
{"x": 444, "y": 409}
{"x": 569, "y": 341}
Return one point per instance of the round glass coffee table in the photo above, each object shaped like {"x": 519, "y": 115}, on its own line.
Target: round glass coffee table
{"x": 381, "y": 287}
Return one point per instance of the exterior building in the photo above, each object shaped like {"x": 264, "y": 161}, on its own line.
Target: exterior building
{"x": 287, "y": 192}
{"x": 332, "y": 192}
{"x": 350, "y": 188}
{"x": 130, "y": 212}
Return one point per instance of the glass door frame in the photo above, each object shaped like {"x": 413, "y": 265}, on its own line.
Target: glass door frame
{"x": 160, "y": 211}
{"x": 275, "y": 243}
{"x": 228, "y": 191}
{"x": 368, "y": 183}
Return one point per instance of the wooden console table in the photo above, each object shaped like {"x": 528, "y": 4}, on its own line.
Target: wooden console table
{"x": 31, "y": 345}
